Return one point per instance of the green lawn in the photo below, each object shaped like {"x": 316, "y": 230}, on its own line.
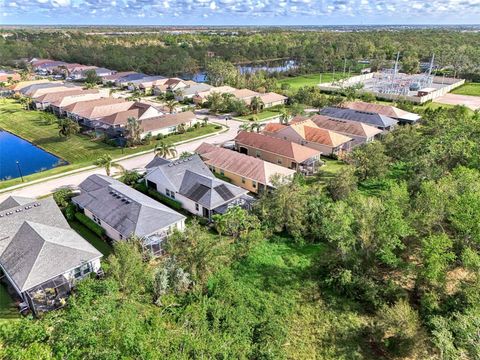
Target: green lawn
{"x": 8, "y": 309}
{"x": 78, "y": 150}
{"x": 472, "y": 89}
{"x": 99, "y": 244}
{"x": 328, "y": 170}
{"x": 266, "y": 114}
{"x": 297, "y": 82}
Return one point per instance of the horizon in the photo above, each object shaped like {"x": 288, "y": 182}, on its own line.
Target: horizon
{"x": 239, "y": 13}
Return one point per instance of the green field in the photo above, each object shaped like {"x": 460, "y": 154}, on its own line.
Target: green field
{"x": 266, "y": 114}
{"x": 297, "y": 82}
{"x": 78, "y": 150}
{"x": 472, "y": 89}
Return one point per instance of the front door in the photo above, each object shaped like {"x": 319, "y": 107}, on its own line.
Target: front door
{"x": 206, "y": 213}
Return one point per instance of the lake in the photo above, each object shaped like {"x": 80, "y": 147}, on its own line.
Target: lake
{"x": 31, "y": 159}
{"x": 267, "y": 66}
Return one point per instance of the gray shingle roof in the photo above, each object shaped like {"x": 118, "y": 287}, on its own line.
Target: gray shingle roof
{"x": 37, "y": 244}
{"x": 192, "y": 179}
{"x": 123, "y": 208}
{"x": 13, "y": 201}
{"x": 380, "y": 121}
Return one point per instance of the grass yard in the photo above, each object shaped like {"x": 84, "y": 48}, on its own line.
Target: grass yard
{"x": 8, "y": 309}
{"x": 78, "y": 150}
{"x": 284, "y": 273}
{"x": 99, "y": 244}
{"x": 327, "y": 171}
{"x": 266, "y": 114}
{"x": 297, "y": 82}
{"x": 472, "y": 89}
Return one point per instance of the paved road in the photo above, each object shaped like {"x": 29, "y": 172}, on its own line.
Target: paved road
{"x": 49, "y": 186}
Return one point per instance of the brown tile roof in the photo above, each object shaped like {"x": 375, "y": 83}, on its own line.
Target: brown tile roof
{"x": 246, "y": 166}
{"x": 58, "y": 96}
{"x": 121, "y": 117}
{"x": 278, "y": 146}
{"x": 346, "y": 126}
{"x": 244, "y": 93}
{"x": 167, "y": 120}
{"x": 274, "y": 127}
{"x": 272, "y": 97}
{"x": 387, "y": 110}
{"x": 82, "y": 108}
{"x": 118, "y": 75}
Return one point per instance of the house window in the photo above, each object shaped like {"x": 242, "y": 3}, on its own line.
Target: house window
{"x": 279, "y": 161}
{"x": 258, "y": 153}
{"x": 81, "y": 271}
{"x": 197, "y": 207}
{"x": 172, "y": 129}
{"x": 172, "y": 194}
{"x": 121, "y": 236}
{"x": 254, "y": 184}
{"x": 222, "y": 173}
{"x": 167, "y": 192}
{"x": 243, "y": 180}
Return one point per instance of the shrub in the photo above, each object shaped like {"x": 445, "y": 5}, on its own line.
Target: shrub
{"x": 190, "y": 129}
{"x": 90, "y": 224}
{"x": 159, "y": 137}
{"x": 217, "y": 127}
{"x": 174, "y": 204}
{"x": 62, "y": 197}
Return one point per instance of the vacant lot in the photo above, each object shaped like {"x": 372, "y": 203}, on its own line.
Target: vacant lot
{"x": 472, "y": 102}
{"x": 297, "y": 82}
{"x": 472, "y": 89}
{"x": 78, "y": 150}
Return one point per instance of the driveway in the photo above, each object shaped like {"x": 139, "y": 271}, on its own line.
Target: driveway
{"x": 50, "y": 186}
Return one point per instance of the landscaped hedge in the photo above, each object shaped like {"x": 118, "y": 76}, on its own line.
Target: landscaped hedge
{"x": 90, "y": 224}
{"x": 174, "y": 204}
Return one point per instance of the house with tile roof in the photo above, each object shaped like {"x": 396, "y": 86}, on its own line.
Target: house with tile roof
{"x": 38, "y": 89}
{"x": 360, "y": 133}
{"x": 110, "y": 79}
{"x": 40, "y": 255}
{"x": 251, "y": 173}
{"x": 201, "y": 96}
{"x": 307, "y": 133}
{"x": 123, "y": 211}
{"x": 278, "y": 151}
{"x": 167, "y": 123}
{"x": 191, "y": 90}
{"x": 85, "y": 112}
{"x": 42, "y": 102}
{"x": 60, "y": 102}
{"x": 272, "y": 99}
{"x": 404, "y": 117}
{"x": 194, "y": 186}
{"x": 374, "y": 119}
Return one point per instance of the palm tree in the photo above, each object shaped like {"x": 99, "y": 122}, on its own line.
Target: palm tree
{"x": 256, "y": 104}
{"x": 105, "y": 161}
{"x": 255, "y": 126}
{"x": 133, "y": 130}
{"x": 164, "y": 150}
{"x": 244, "y": 127}
{"x": 171, "y": 104}
{"x": 284, "y": 116}
{"x": 185, "y": 155}
{"x": 181, "y": 128}
{"x": 67, "y": 127}
{"x": 25, "y": 101}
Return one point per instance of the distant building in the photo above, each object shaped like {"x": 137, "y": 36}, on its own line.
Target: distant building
{"x": 378, "y": 120}
{"x": 387, "y": 110}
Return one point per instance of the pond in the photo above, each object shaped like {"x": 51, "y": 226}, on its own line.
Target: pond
{"x": 19, "y": 157}
{"x": 269, "y": 67}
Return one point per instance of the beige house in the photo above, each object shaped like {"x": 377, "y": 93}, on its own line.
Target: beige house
{"x": 58, "y": 105}
{"x": 278, "y": 151}
{"x": 94, "y": 109}
{"x": 307, "y": 133}
{"x": 248, "y": 172}
{"x": 43, "y": 102}
{"x": 167, "y": 124}
{"x": 201, "y": 96}
{"x": 272, "y": 99}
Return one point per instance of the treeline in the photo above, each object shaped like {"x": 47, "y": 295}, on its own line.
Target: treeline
{"x": 179, "y": 54}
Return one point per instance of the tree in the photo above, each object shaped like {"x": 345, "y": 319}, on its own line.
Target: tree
{"x": 134, "y": 131}
{"x": 197, "y": 252}
{"x": 25, "y": 101}
{"x": 215, "y": 102}
{"x": 164, "y": 150}
{"x": 170, "y": 278}
{"x": 436, "y": 257}
{"x": 410, "y": 64}
{"x": 370, "y": 160}
{"x": 171, "y": 105}
{"x": 255, "y": 127}
{"x": 62, "y": 197}
{"x": 185, "y": 155}
{"x": 128, "y": 269}
{"x": 91, "y": 77}
{"x": 343, "y": 183}
{"x": 284, "y": 116}
{"x": 256, "y": 104}
{"x": 48, "y": 118}
{"x": 105, "y": 161}
{"x": 67, "y": 127}
{"x": 220, "y": 72}
{"x": 131, "y": 177}
{"x": 181, "y": 128}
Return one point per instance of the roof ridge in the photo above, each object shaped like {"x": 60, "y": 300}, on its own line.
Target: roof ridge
{"x": 39, "y": 251}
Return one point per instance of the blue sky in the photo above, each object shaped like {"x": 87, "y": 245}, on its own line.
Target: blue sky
{"x": 239, "y": 12}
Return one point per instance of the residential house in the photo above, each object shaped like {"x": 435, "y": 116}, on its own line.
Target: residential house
{"x": 245, "y": 95}
{"x": 272, "y": 99}
{"x": 42, "y": 102}
{"x": 380, "y": 121}
{"x": 124, "y": 81}
{"x": 167, "y": 123}
{"x": 307, "y": 133}
{"x": 278, "y": 151}
{"x": 41, "y": 257}
{"x": 48, "y": 66}
{"x": 115, "y": 123}
{"x": 59, "y": 104}
{"x": 145, "y": 83}
{"x": 201, "y": 96}
{"x": 23, "y": 84}
{"x": 191, "y": 90}
{"x": 403, "y": 117}
{"x": 35, "y": 90}
{"x": 192, "y": 184}
{"x": 171, "y": 85}
{"x": 9, "y": 76}
{"x": 360, "y": 133}
{"x": 248, "y": 172}
{"x": 111, "y": 79}
{"x": 123, "y": 211}
{"x": 85, "y": 112}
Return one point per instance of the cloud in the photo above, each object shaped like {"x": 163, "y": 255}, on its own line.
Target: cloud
{"x": 305, "y": 11}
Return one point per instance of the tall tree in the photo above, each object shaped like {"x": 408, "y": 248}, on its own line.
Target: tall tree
{"x": 67, "y": 127}
{"x": 105, "y": 161}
